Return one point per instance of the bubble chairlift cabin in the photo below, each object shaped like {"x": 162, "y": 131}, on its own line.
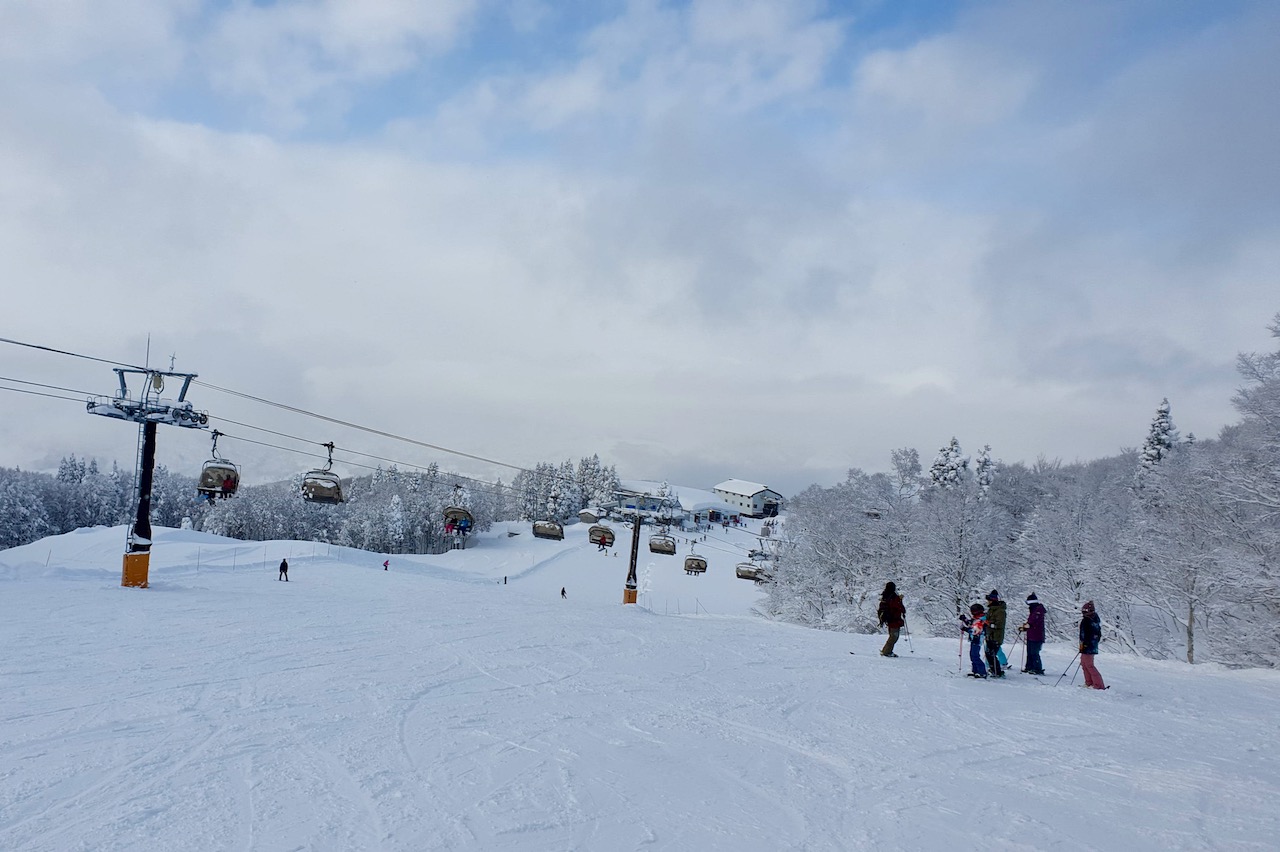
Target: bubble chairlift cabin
{"x": 548, "y": 529}
{"x": 458, "y": 518}
{"x": 218, "y": 477}
{"x": 662, "y": 543}
{"x": 695, "y": 564}
{"x": 601, "y": 534}
{"x": 322, "y": 485}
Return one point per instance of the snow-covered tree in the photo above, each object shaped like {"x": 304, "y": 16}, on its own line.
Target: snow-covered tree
{"x": 985, "y": 471}
{"x": 1160, "y": 441}
{"x": 950, "y": 467}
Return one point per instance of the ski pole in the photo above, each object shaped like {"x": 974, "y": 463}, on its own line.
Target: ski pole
{"x": 1067, "y": 669}
{"x": 908, "y": 629}
{"x": 960, "y": 655}
{"x": 1014, "y": 647}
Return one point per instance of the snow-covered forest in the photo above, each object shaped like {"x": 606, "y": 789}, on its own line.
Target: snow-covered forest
{"x": 1178, "y": 541}
{"x": 390, "y": 511}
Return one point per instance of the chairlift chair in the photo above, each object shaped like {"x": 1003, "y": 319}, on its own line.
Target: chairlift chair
{"x": 695, "y": 564}
{"x": 662, "y": 543}
{"x": 749, "y": 571}
{"x": 548, "y": 529}
{"x": 322, "y": 485}
{"x": 459, "y": 518}
{"x": 600, "y": 534}
{"x": 218, "y": 477}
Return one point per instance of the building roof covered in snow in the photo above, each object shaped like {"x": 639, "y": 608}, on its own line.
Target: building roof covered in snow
{"x": 742, "y": 487}
{"x": 692, "y": 500}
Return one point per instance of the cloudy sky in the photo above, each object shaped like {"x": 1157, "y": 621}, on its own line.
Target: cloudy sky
{"x": 706, "y": 239}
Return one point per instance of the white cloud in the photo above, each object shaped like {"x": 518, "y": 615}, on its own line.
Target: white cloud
{"x": 290, "y": 53}
{"x": 642, "y": 245}
{"x": 945, "y": 83}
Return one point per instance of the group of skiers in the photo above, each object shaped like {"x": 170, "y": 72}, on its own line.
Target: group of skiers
{"x": 985, "y": 628}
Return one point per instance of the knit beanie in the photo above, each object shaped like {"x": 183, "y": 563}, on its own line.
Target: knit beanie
{"x": 1031, "y": 598}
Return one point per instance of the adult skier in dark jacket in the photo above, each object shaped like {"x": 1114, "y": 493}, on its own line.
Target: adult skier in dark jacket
{"x": 892, "y": 615}
{"x": 1090, "y": 636}
{"x": 995, "y": 632}
{"x": 1034, "y": 628}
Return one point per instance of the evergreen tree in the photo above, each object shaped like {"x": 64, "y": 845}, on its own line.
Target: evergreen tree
{"x": 1160, "y": 441}
{"x": 950, "y": 468}
{"x": 985, "y": 471}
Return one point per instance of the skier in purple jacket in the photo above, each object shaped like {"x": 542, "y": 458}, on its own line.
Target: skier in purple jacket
{"x": 1034, "y": 628}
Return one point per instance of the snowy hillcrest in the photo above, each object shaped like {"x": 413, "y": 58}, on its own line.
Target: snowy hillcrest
{"x": 433, "y": 706}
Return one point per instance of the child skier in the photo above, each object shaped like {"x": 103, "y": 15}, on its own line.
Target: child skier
{"x": 976, "y": 626}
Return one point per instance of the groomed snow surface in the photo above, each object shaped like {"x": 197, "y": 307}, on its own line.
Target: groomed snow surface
{"x": 433, "y": 707}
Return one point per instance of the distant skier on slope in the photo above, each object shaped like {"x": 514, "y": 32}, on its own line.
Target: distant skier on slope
{"x": 284, "y": 570}
{"x": 1034, "y": 630}
{"x": 975, "y": 624}
{"x": 562, "y": 592}
{"x": 1090, "y": 637}
{"x": 995, "y": 632}
{"x": 893, "y": 615}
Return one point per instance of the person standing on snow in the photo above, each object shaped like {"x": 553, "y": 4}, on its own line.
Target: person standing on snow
{"x": 995, "y": 632}
{"x": 892, "y": 615}
{"x": 1034, "y": 628}
{"x": 386, "y": 564}
{"x": 284, "y": 570}
{"x": 975, "y": 626}
{"x": 562, "y": 592}
{"x": 1090, "y": 636}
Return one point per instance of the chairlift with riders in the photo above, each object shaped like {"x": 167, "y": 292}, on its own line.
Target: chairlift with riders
{"x": 601, "y": 534}
{"x": 218, "y": 477}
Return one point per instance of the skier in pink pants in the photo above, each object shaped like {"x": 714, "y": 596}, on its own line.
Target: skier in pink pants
{"x": 1090, "y": 636}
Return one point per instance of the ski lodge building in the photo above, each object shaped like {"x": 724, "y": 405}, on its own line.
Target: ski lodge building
{"x": 751, "y": 498}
